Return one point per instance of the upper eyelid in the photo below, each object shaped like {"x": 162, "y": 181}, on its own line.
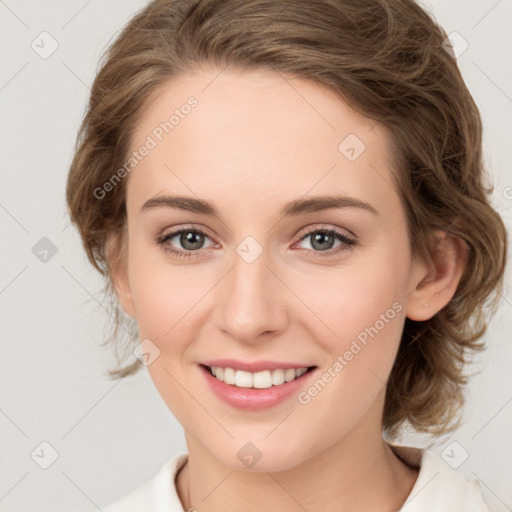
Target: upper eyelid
{"x": 308, "y": 230}
{"x": 176, "y": 231}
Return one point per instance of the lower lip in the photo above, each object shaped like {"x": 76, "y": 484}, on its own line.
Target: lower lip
{"x": 252, "y": 399}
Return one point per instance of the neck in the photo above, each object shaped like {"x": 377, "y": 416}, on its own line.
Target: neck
{"x": 366, "y": 476}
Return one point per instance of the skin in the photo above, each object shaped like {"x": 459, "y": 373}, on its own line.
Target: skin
{"x": 256, "y": 141}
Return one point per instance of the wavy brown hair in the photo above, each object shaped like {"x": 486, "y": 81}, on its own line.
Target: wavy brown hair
{"x": 387, "y": 60}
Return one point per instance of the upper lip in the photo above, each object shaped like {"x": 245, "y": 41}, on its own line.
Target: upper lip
{"x": 255, "y": 366}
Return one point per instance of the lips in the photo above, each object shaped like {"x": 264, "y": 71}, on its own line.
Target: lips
{"x": 253, "y": 398}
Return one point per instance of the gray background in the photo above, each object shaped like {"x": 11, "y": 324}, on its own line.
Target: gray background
{"x": 112, "y": 435}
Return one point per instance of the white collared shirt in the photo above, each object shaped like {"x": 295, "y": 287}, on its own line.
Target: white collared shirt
{"x": 438, "y": 488}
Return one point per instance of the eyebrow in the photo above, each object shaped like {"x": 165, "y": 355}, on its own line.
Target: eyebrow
{"x": 293, "y": 208}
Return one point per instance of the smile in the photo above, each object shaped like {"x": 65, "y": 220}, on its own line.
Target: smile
{"x": 257, "y": 380}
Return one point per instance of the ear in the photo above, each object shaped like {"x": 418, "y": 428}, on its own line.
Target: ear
{"x": 435, "y": 283}
{"x": 116, "y": 252}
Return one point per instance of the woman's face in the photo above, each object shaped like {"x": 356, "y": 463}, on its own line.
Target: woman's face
{"x": 264, "y": 279}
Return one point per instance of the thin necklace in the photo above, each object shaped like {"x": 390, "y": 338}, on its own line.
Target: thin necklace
{"x": 188, "y": 508}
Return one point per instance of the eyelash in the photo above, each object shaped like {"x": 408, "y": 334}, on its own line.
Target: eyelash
{"x": 348, "y": 243}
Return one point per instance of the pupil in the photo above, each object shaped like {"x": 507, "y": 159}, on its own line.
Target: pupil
{"x": 321, "y": 238}
{"x": 195, "y": 239}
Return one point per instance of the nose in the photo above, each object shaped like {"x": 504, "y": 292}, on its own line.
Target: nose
{"x": 252, "y": 301}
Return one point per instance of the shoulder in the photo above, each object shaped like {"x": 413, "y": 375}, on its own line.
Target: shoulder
{"x": 438, "y": 487}
{"x": 157, "y": 494}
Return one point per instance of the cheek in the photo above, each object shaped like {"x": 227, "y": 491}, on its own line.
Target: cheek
{"x": 360, "y": 314}
{"x": 167, "y": 303}
{"x": 344, "y": 303}
{"x": 366, "y": 313}
{"x": 155, "y": 302}
{"x": 163, "y": 294}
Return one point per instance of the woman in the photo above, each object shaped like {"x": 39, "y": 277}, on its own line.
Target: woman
{"x": 225, "y": 144}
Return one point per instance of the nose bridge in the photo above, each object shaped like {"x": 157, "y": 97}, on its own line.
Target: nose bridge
{"x": 250, "y": 269}
{"x": 249, "y": 303}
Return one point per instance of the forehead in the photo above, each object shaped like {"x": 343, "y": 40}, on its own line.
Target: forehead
{"x": 261, "y": 134}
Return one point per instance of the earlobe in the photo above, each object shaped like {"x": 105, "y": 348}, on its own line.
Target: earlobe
{"x": 435, "y": 283}
{"x": 117, "y": 263}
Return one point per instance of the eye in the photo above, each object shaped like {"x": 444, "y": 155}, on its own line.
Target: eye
{"x": 323, "y": 241}
{"x": 191, "y": 239}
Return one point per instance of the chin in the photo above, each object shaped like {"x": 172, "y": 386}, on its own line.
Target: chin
{"x": 262, "y": 457}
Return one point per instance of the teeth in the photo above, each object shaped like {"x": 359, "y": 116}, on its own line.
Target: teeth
{"x": 243, "y": 379}
{"x": 258, "y": 380}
